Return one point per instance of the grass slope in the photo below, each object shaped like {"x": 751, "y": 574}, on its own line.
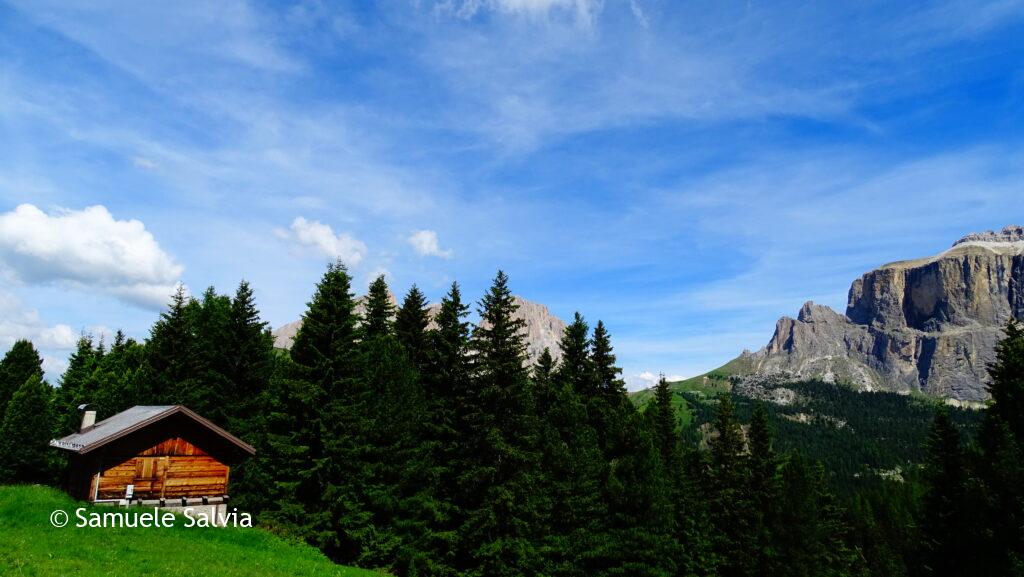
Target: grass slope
{"x": 31, "y": 546}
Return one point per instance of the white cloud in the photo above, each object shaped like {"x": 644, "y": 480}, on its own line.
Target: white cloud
{"x": 143, "y": 162}
{"x": 647, "y": 379}
{"x": 425, "y": 243}
{"x": 19, "y": 322}
{"x": 88, "y": 249}
{"x": 584, "y": 10}
{"x": 318, "y": 237}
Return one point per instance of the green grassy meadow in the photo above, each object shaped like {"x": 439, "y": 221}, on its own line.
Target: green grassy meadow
{"x": 31, "y": 546}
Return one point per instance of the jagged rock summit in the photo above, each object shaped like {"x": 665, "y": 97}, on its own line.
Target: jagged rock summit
{"x": 543, "y": 329}
{"x": 928, "y": 325}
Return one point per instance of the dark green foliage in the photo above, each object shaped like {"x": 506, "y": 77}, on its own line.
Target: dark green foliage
{"x": 763, "y": 488}
{"x": 25, "y": 456}
{"x": 378, "y": 317}
{"x": 18, "y": 365}
{"x": 1007, "y": 387}
{"x": 666, "y": 428}
{"x": 434, "y": 453}
{"x": 172, "y": 352}
{"x": 311, "y": 417}
{"x": 946, "y": 543}
{"x": 575, "y": 368}
{"x": 810, "y": 535}
{"x": 1001, "y": 466}
{"x": 78, "y": 386}
{"x": 411, "y": 327}
{"x": 498, "y": 474}
{"x": 606, "y": 374}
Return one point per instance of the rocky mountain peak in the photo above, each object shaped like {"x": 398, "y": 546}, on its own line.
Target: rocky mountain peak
{"x": 929, "y": 324}
{"x": 1009, "y": 234}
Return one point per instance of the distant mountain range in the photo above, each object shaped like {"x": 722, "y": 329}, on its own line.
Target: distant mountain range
{"x": 928, "y": 324}
{"x": 543, "y": 329}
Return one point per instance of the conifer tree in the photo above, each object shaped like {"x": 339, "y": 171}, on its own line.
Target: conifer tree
{"x": 544, "y": 369}
{"x": 20, "y": 363}
{"x": 411, "y": 327}
{"x": 248, "y": 362}
{"x": 762, "y": 493}
{"x": 209, "y": 390}
{"x": 446, "y": 382}
{"x": 313, "y": 416}
{"x": 501, "y": 466}
{"x": 386, "y": 473}
{"x": 729, "y": 504}
{"x": 121, "y": 378}
{"x": 944, "y": 520}
{"x": 378, "y": 315}
{"x": 77, "y": 386}
{"x": 172, "y": 355}
{"x": 25, "y": 455}
{"x": 602, "y": 359}
{"x": 666, "y": 428}
{"x": 810, "y": 534}
{"x": 575, "y": 367}
{"x": 1002, "y": 465}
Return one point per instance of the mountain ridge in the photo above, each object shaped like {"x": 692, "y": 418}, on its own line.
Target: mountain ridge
{"x": 928, "y": 324}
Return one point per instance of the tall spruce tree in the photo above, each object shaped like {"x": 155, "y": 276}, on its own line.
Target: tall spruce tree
{"x": 666, "y": 428}
{"x": 173, "y": 358}
{"x": 411, "y": 327}
{"x": 392, "y": 484}
{"x": 18, "y": 365}
{"x": 25, "y": 455}
{"x": 77, "y": 386}
{"x": 500, "y": 470}
{"x": 945, "y": 519}
{"x": 602, "y": 359}
{"x": 248, "y": 362}
{"x": 446, "y": 382}
{"x": 379, "y": 312}
{"x": 763, "y": 488}
{"x": 729, "y": 500}
{"x": 1002, "y": 461}
{"x": 810, "y": 535}
{"x": 313, "y": 415}
{"x": 575, "y": 367}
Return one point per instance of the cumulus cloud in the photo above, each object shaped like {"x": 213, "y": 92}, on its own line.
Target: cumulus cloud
{"x": 425, "y": 243}
{"x": 647, "y": 379}
{"x": 319, "y": 238}
{"x": 18, "y": 322}
{"x": 88, "y": 248}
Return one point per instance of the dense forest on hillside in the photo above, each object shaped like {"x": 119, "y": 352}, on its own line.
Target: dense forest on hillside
{"x": 428, "y": 448}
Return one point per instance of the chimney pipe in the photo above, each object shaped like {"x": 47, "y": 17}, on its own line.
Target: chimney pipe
{"x": 88, "y": 418}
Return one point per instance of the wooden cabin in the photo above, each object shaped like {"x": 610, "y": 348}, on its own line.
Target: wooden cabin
{"x": 151, "y": 453}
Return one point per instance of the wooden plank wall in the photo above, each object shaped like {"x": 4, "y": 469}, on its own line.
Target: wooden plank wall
{"x": 171, "y": 469}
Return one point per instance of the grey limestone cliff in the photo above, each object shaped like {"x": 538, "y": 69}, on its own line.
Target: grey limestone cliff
{"x": 928, "y": 324}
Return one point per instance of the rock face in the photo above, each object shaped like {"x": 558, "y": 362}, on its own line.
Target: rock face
{"x": 543, "y": 329}
{"x": 929, "y": 324}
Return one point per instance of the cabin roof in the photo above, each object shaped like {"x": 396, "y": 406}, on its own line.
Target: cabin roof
{"x": 136, "y": 418}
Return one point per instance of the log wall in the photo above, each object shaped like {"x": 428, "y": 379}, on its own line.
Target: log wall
{"x": 171, "y": 469}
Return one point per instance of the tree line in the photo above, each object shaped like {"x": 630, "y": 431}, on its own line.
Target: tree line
{"x": 428, "y": 447}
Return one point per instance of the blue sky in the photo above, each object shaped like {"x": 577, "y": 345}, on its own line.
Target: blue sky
{"x": 685, "y": 171}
